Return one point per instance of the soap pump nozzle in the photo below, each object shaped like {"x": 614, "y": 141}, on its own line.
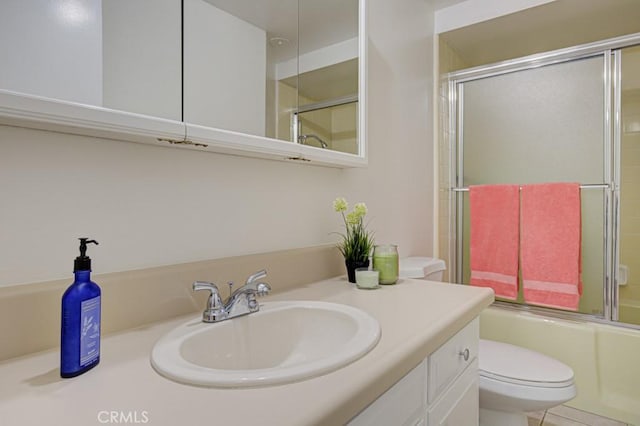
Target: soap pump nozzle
{"x": 83, "y": 262}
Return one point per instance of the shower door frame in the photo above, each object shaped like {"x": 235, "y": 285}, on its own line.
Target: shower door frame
{"x": 609, "y": 50}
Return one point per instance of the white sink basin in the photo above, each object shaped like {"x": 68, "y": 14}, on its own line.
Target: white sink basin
{"x": 283, "y": 342}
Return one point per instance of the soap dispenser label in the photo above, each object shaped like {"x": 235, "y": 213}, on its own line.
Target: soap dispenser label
{"x": 90, "y": 332}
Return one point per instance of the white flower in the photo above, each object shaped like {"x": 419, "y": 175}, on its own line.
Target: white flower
{"x": 353, "y": 218}
{"x": 340, "y": 204}
{"x": 360, "y": 209}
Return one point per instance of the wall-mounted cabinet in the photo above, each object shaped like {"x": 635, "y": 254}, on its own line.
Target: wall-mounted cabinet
{"x": 212, "y": 75}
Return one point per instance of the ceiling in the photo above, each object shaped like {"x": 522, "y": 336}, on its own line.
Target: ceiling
{"x": 555, "y": 25}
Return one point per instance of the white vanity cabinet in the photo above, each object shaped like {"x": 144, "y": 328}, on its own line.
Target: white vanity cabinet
{"x": 441, "y": 390}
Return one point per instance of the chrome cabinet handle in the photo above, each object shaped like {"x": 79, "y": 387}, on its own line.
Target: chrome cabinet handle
{"x": 464, "y": 354}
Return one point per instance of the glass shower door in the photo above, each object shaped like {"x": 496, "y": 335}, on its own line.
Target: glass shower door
{"x": 543, "y": 124}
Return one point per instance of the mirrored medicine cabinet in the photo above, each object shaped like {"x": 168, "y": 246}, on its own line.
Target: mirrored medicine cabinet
{"x": 278, "y": 79}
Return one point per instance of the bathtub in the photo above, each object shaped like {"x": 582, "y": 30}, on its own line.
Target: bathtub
{"x": 629, "y": 311}
{"x": 604, "y": 358}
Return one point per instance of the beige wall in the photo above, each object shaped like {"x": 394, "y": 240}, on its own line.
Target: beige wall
{"x": 150, "y": 206}
{"x": 287, "y": 99}
{"x": 630, "y": 211}
{"x": 344, "y": 124}
{"x": 30, "y": 314}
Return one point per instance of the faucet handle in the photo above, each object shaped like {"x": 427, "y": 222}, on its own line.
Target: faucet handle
{"x": 263, "y": 289}
{"x": 203, "y": 285}
{"x": 215, "y": 308}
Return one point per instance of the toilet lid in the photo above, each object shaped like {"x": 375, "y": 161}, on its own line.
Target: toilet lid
{"x": 420, "y": 267}
{"x": 514, "y": 364}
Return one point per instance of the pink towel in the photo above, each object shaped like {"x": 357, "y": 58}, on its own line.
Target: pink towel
{"x": 550, "y": 245}
{"x": 494, "y": 238}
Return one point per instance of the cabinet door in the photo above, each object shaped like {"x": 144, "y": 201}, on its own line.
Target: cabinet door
{"x": 118, "y": 54}
{"x": 459, "y": 405}
{"x": 225, "y": 68}
{"x": 402, "y": 404}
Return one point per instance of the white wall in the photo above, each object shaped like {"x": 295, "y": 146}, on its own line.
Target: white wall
{"x": 151, "y": 206}
{"x": 399, "y": 184}
{"x": 225, "y": 62}
{"x": 31, "y": 35}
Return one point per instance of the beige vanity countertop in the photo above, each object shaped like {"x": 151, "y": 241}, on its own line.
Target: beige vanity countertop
{"x": 416, "y": 317}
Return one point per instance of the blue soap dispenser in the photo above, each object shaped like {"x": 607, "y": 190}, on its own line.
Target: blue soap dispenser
{"x": 80, "y": 334}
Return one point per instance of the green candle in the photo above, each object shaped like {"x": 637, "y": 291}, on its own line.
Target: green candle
{"x": 385, "y": 261}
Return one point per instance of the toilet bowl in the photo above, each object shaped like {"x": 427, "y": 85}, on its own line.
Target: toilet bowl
{"x": 513, "y": 380}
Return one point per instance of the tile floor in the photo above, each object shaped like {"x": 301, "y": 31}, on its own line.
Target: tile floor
{"x": 567, "y": 416}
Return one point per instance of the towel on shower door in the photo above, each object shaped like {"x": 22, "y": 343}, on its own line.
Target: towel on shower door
{"x": 494, "y": 238}
{"x": 550, "y": 244}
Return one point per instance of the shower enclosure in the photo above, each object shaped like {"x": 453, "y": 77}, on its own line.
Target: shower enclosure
{"x": 329, "y": 124}
{"x": 571, "y": 115}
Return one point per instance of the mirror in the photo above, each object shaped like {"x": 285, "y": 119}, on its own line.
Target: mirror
{"x": 327, "y": 114}
{"x": 230, "y": 63}
{"x": 282, "y": 69}
{"x": 237, "y": 69}
{"x": 118, "y": 54}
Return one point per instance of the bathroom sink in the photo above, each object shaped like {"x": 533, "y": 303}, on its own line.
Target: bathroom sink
{"x": 283, "y": 342}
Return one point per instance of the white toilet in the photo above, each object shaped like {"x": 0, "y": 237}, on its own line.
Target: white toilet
{"x": 422, "y": 268}
{"x": 513, "y": 380}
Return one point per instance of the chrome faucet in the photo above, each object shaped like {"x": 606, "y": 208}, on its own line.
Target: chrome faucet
{"x": 241, "y": 302}
{"x": 302, "y": 139}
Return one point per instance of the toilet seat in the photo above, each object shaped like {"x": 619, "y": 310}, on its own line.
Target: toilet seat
{"x": 520, "y": 366}
{"x": 498, "y": 377}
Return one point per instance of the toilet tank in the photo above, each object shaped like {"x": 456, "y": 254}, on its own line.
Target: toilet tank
{"x": 423, "y": 268}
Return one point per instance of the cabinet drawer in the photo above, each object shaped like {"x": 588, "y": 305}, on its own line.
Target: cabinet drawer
{"x": 445, "y": 364}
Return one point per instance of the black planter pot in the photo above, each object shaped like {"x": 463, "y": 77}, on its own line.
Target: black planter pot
{"x": 352, "y": 266}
